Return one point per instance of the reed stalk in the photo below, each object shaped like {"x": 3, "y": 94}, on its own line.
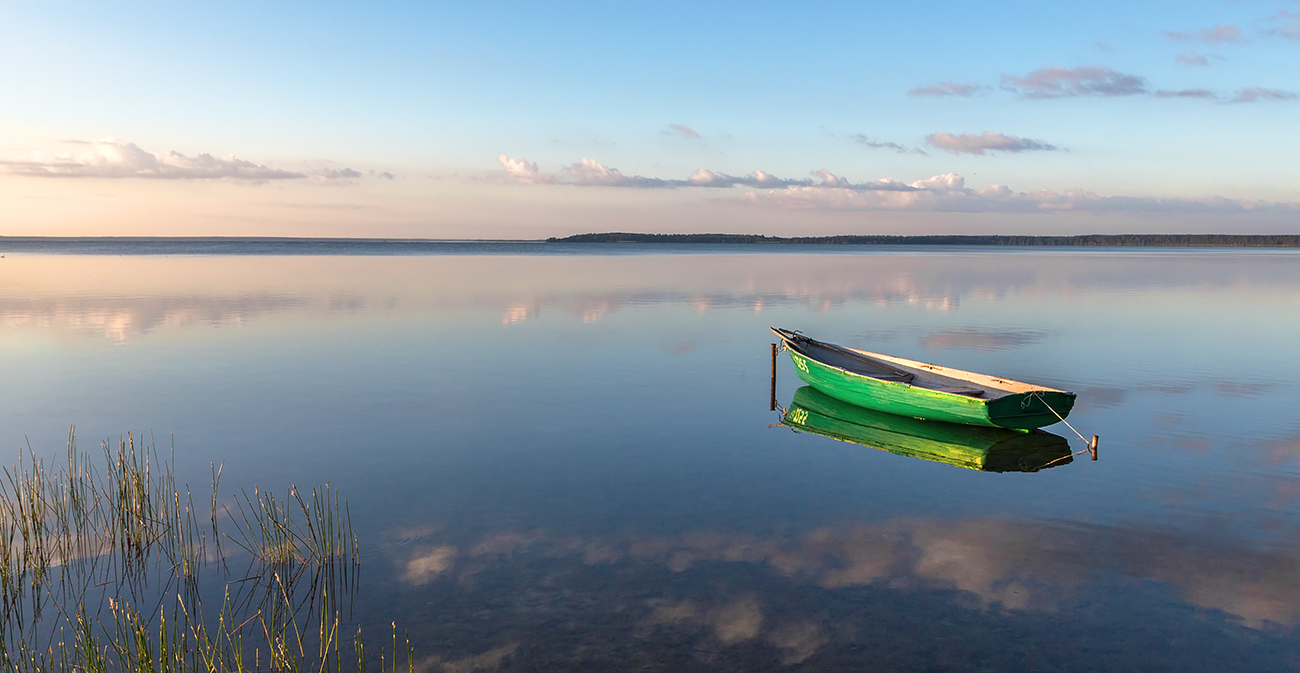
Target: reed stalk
{"x": 101, "y": 562}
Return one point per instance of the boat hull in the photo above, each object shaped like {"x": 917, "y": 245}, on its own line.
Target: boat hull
{"x": 973, "y": 448}
{"x": 1023, "y": 411}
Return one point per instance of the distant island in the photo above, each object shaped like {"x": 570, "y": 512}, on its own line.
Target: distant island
{"x": 1165, "y": 240}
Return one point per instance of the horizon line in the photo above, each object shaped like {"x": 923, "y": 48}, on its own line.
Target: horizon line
{"x": 579, "y": 237}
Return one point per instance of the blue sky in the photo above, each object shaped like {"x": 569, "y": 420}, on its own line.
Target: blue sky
{"x": 474, "y": 120}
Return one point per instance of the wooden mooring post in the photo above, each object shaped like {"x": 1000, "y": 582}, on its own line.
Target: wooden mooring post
{"x": 1093, "y": 447}
{"x": 773, "y": 407}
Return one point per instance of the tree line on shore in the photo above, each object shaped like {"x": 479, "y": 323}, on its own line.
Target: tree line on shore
{"x": 1168, "y": 240}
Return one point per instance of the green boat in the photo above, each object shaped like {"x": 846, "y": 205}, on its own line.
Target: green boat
{"x": 923, "y": 390}
{"x": 974, "y": 448}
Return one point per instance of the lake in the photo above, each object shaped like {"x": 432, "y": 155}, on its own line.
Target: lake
{"x": 562, "y": 457}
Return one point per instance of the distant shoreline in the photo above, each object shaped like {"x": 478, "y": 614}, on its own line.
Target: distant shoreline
{"x": 280, "y": 245}
{"x": 1111, "y": 240}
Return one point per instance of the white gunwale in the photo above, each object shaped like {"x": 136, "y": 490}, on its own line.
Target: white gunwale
{"x": 983, "y": 380}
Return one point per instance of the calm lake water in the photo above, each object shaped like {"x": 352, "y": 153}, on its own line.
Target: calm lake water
{"x": 559, "y": 457}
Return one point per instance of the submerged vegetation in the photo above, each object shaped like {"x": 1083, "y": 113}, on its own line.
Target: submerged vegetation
{"x": 103, "y": 559}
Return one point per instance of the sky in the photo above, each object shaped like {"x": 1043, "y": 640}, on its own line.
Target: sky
{"x": 529, "y": 120}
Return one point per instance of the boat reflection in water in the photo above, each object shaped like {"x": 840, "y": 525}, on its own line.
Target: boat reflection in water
{"x": 971, "y": 447}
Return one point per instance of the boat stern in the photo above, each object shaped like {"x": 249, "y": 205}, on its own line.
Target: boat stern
{"x": 1034, "y": 409}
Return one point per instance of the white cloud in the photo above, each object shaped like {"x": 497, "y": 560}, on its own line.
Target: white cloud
{"x": 946, "y": 192}
{"x": 1255, "y": 94}
{"x": 829, "y": 179}
{"x": 947, "y": 89}
{"x": 948, "y": 182}
{"x": 706, "y": 178}
{"x": 335, "y": 176}
{"x": 1185, "y": 93}
{"x": 1290, "y": 25}
{"x": 1090, "y": 80}
{"x": 592, "y": 172}
{"x": 989, "y": 141}
{"x": 1220, "y": 34}
{"x": 114, "y": 158}
{"x": 588, "y": 172}
{"x": 1195, "y": 59}
{"x": 862, "y": 139}
{"x": 1096, "y": 80}
{"x": 519, "y": 170}
{"x": 761, "y": 179}
{"x": 682, "y": 131}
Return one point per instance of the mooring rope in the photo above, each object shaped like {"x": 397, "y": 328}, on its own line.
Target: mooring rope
{"x": 1053, "y": 462}
{"x": 1039, "y": 395}
{"x": 1092, "y": 443}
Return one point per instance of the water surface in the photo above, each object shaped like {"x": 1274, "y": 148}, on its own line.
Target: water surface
{"x": 561, "y": 457}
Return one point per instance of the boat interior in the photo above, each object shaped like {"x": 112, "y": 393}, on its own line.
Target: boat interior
{"x": 922, "y": 376}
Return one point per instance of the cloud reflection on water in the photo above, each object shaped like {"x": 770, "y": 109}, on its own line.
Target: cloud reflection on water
{"x": 120, "y": 318}
{"x": 734, "y": 621}
{"x": 1130, "y": 334}
{"x": 1284, "y": 449}
{"x": 490, "y": 660}
{"x": 994, "y": 563}
{"x": 124, "y": 297}
{"x": 981, "y": 340}
{"x": 429, "y": 563}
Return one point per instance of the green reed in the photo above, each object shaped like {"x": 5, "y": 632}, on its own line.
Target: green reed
{"x": 100, "y": 563}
